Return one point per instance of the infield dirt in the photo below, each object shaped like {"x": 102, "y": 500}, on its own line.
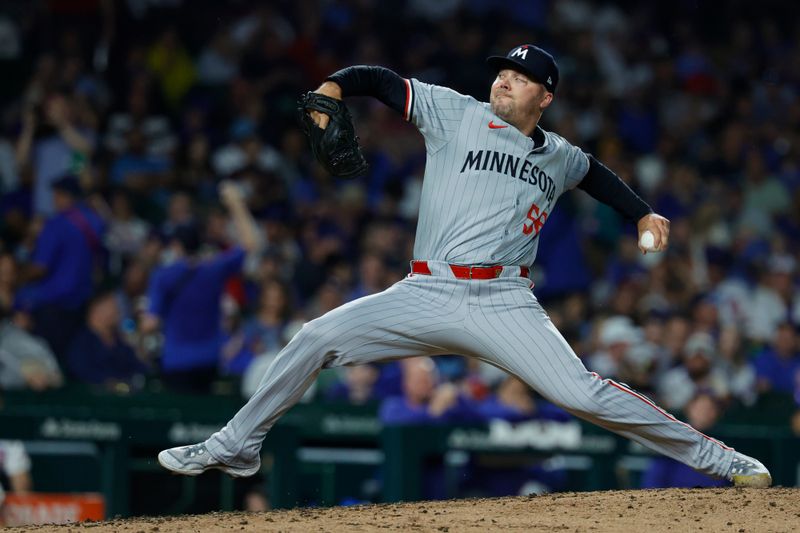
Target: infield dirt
{"x": 650, "y": 511}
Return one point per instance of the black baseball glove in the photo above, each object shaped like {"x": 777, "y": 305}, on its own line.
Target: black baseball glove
{"x": 335, "y": 147}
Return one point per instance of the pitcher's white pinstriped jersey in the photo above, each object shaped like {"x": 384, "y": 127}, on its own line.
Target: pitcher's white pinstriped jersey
{"x": 487, "y": 190}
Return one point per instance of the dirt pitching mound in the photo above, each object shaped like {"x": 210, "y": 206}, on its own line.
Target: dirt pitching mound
{"x": 707, "y": 510}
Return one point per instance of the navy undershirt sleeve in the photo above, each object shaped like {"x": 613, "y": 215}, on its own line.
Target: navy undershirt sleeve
{"x": 379, "y": 82}
{"x": 606, "y": 187}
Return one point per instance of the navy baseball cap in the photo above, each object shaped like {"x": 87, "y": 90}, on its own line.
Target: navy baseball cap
{"x": 531, "y": 60}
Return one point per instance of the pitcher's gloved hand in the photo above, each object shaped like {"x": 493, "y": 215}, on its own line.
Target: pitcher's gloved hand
{"x": 335, "y": 147}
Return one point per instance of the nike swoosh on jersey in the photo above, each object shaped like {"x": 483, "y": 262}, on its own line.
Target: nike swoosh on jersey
{"x": 493, "y": 126}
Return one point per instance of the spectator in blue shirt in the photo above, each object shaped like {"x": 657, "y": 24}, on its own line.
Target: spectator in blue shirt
{"x": 703, "y": 412}
{"x": 424, "y": 400}
{"x": 184, "y": 299}
{"x": 137, "y": 169}
{"x": 514, "y": 402}
{"x": 264, "y": 331}
{"x": 60, "y": 274}
{"x": 98, "y": 354}
{"x": 778, "y": 366}
{"x": 357, "y": 387}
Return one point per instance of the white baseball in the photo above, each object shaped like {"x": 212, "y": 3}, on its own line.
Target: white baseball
{"x": 648, "y": 240}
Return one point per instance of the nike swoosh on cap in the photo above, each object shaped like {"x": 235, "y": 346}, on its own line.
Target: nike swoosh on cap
{"x": 493, "y": 126}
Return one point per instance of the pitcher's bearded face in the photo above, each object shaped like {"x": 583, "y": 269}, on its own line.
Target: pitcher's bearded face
{"x": 502, "y": 105}
{"x": 513, "y": 95}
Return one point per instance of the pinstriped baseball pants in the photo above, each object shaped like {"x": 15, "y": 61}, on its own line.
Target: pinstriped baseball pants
{"x": 498, "y": 321}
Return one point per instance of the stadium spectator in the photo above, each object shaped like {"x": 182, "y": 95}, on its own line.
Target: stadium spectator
{"x": 734, "y": 362}
{"x": 699, "y": 372}
{"x": 26, "y": 362}
{"x": 53, "y": 142}
{"x": 193, "y": 168}
{"x": 127, "y": 233}
{"x": 132, "y": 302}
{"x": 60, "y": 277}
{"x": 261, "y": 362}
{"x": 180, "y": 214}
{"x": 676, "y": 333}
{"x": 778, "y": 366}
{"x": 184, "y": 298}
{"x": 763, "y": 192}
{"x": 328, "y": 296}
{"x": 247, "y": 151}
{"x": 705, "y": 316}
{"x": 515, "y": 402}
{"x": 729, "y": 290}
{"x": 371, "y": 276}
{"x": 217, "y": 63}
{"x": 98, "y": 354}
{"x": 358, "y": 385}
{"x": 236, "y": 353}
{"x": 424, "y": 399}
{"x": 774, "y": 300}
{"x": 427, "y": 401}
{"x": 159, "y": 139}
{"x": 617, "y": 335}
{"x": 639, "y": 366}
{"x": 137, "y": 170}
{"x": 264, "y": 331}
{"x": 170, "y": 63}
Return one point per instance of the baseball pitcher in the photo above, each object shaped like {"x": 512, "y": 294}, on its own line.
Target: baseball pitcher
{"x": 492, "y": 178}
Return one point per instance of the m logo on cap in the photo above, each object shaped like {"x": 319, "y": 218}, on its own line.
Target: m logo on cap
{"x": 522, "y": 51}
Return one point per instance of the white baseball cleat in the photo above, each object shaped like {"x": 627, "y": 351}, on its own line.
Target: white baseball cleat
{"x": 748, "y": 472}
{"x": 194, "y": 460}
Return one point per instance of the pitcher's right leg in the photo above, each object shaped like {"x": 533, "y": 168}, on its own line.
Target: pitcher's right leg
{"x": 406, "y": 320}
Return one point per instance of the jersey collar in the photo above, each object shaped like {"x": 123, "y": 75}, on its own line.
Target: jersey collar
{"x": 539, "y": 138}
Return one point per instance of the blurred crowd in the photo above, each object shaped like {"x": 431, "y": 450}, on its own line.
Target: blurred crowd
{"x": 161, "y": 216}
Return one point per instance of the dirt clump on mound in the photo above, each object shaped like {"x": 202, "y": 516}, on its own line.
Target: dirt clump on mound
{"x": 670, "y": 510}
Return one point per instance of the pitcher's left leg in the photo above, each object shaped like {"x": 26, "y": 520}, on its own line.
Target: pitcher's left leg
{"x": 520, "y": 337}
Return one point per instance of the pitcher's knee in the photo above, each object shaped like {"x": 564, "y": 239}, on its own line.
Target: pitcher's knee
{"x": 584, "y": 398}
{"x": 314, "y": 340}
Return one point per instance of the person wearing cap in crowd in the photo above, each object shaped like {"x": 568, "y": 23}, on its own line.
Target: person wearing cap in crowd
{"x": 617, "y": 335}
{"x": 59, "y": 279}
{"x": 639, "y": 366}
{"x": 697, "y": 372}
{"x": 184, "y": 298}
{"x": 98, "y": 354}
